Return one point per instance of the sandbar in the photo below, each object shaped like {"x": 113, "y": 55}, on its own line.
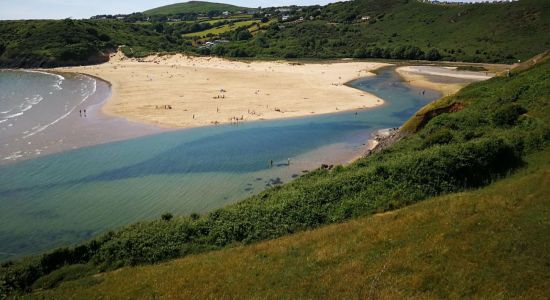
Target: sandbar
{"x": 179, "y": 91}
{"x": 447, "y": 80}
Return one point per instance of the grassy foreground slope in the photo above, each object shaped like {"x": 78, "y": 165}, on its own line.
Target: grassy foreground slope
{"x": 486, "y": 243}
{"x": 197, "y": 7}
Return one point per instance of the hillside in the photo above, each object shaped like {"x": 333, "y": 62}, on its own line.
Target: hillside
{"x": 485, "y": 243}
{"x": 397, "y": 29}
{"x": 53, "y": 43}
{"x": 198, "y": 7}
{"x": 499, "y": 126}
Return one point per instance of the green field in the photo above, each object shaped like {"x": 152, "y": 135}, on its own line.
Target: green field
{"x": 221, "y": 29}
{"x": 193, "y": 7}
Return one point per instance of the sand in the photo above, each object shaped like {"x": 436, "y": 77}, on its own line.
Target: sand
{"x": 447, "y": 80}
{"x": 178, "y": 91}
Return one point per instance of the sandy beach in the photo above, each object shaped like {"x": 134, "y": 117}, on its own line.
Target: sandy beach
{"x": 178, "y": 91}
{"x": 447, "y": 80}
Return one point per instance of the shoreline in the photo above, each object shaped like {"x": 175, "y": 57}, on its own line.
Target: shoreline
{"x": 177, "y": 91}
{"x": 70, "y": 132}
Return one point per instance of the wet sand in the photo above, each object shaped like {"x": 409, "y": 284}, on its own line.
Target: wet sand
{"x": 177, "y": 91}
{"x": 447, "y": 80}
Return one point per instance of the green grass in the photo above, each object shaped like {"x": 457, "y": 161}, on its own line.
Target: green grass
{"x": 193, "y": 7}
{"x": 222, "y": 29}
{"x": 486, "y": 243}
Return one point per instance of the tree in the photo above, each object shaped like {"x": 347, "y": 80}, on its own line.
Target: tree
{"x": 243, "y": 35}
{"x": 433, "y": 54}
{"x": 360, "y": 53}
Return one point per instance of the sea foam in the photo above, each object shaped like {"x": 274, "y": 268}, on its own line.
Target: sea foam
{"x": 86, "y": 96}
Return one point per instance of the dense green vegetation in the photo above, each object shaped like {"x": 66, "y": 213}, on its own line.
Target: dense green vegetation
{"x": 448, "y": 152}
{"x": 198, "y": 7}
{"x": 70, "y": 42}
{"x": 395, "y": 29}
{"x": 401, "y": 29}
{"x": 485, "y": 243}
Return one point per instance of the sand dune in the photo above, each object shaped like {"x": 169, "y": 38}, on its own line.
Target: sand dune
{"x": 182, "y": 91}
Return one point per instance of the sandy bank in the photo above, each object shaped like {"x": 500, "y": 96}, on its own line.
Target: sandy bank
{"x": 181, "y": 91}
{"x": 447, "y": 80}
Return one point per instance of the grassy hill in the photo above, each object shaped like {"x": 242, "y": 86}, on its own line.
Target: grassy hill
{"x": 486, "y": 243}
{"x": 198, "y": 7}
{"x": 398, "y": 29}
{"x": 497, "y": 127}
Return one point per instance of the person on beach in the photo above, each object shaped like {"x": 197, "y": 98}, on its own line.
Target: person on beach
{"x": 271, "y": 163}
{"x": 81, "y": 113}
{"x": 84, "y": 112}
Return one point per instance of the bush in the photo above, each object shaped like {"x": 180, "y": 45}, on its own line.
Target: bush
{"x": 440, "y": 137}
{"x": 167, "y": 217}
{"x": 508, "y": 114}
{"x": 433, "y": 54}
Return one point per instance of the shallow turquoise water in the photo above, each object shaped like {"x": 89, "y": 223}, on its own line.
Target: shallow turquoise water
{"x": 68, "y": 197}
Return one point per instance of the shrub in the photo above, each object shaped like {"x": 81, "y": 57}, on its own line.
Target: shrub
{"x": 167, "y": 217}
{"x": 508, "y": 115}
{"x": 439, "y": 137}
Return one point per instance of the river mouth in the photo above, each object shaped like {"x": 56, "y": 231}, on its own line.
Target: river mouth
{"x": 68, "y": 197}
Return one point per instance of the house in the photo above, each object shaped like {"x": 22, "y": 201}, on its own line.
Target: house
{"x": 226, "y": 13}
{"x": 285, "y": 17}
{"x": 365, "y": 18}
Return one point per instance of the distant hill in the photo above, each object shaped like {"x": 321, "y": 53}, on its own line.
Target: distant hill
{"x": 399, "y": 29}
{"x": 193, "y": 7}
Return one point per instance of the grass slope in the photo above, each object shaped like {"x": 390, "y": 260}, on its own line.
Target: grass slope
{"x": 221, "y": 29}
{"x": 197, "y": 7}
{"x": 486, "y": 243}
